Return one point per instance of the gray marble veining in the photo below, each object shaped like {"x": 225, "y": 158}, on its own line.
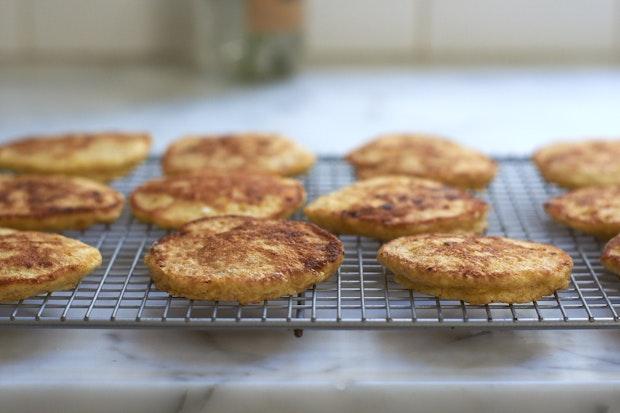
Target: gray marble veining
{"x": 350, "y": 369}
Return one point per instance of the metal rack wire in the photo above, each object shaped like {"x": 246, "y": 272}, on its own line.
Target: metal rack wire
{"x": 362, "y": 295}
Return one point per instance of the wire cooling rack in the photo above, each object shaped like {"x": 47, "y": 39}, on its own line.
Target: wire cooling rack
{"x": 362, "y": 294}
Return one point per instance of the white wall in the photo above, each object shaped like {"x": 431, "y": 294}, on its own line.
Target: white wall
{"x": 337, "y": 30}
{"x": 87, "y": 29}
{"x": 449, "y": 30}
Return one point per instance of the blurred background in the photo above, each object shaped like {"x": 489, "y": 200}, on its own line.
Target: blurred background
{"x": 504, "y": 76}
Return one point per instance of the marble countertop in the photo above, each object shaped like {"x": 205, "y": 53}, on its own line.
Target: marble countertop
{"x": 261, "y": 371}
{"x": 499, "y": 111}
{"x": 330, "y": 111}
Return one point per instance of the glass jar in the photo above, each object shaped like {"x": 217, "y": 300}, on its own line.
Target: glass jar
{"x": 249, "y": 39}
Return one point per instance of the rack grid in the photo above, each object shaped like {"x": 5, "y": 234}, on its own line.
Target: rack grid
{"x": 361, "y": 295}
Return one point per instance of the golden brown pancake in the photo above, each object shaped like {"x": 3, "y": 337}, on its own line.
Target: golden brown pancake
{"x": 425, "y": 156}
{"x": 580, "y": 164}
{"x": 477, "y": 269}
{"x": 394, "y": 206}
{"x": 253, "y": 152}
{"x": 174, "y": 201}
{"x": 35, "y": 262}
{"x": 611, "y": 255}
{"x": 594, "y": 210}
{"x": 100, "y": 156}
{"x": 56, "y": 202}
{"x": 243, "y": 259}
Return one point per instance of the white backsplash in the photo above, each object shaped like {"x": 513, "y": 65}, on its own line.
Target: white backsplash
{"x": 336, "y": 30}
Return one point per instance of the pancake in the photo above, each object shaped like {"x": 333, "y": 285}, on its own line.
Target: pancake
{"x": 243, "y": 259}
{"x": 593, "y": 210}
{"x": 580, "y": 164}
{"x": 174, "y": 201}
{"x": 250, "y": 152}
{"x": 476, "y": 269}
{"x": 100, "y": 156}
{"x": 425, "y": 156}
{"x": 394, "y": 206}
{"x": 56, "y": 202}
{"x": 36, "y": 262}
{"x": 611, "y": 255}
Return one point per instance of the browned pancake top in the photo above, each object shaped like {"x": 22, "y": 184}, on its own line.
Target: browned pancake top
{"x": 424, "y": 156}
{"x": 611, "y": 254}
{"x": 581, "y": 155}
{"x": 42, "y": 196}
{"x": 397, "y": 200}
{"x": 174, "y": 201}
{"x": 268, "y": 153}
{"x": 581, "y": 164}
{"x": 226, "y": 187}
{"x": 394, "y": 207}
{"x": 247, "y": 147}
{"x": 66, "y": 145}
{"x": 241, "y": 247}
{"x": 36, "y": 257}
{"x": 593, "y": 205}
{"x": 462, "y": 260}
{"x": 102, "y": 156}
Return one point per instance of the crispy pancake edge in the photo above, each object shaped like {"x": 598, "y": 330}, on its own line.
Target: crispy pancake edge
{"x": 288, "y": 208}
{"x": 12, "y": 289}
{"x": 248, "y": 291}
{"x": 611, "y": 255}
{"x": 67, "y": 219}
{"x": 472, "y": 221}
{"x": 305, "y": 162}
{"x": 558, "y": 211}
{"x": 567, "y": 177}
{"x": 365, "y": 170}
{"x": 481, "y": 289}
{"x": 99, "y": 172}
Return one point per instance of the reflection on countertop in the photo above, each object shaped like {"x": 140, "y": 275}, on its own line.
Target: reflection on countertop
{"x": 329, "y": 110}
